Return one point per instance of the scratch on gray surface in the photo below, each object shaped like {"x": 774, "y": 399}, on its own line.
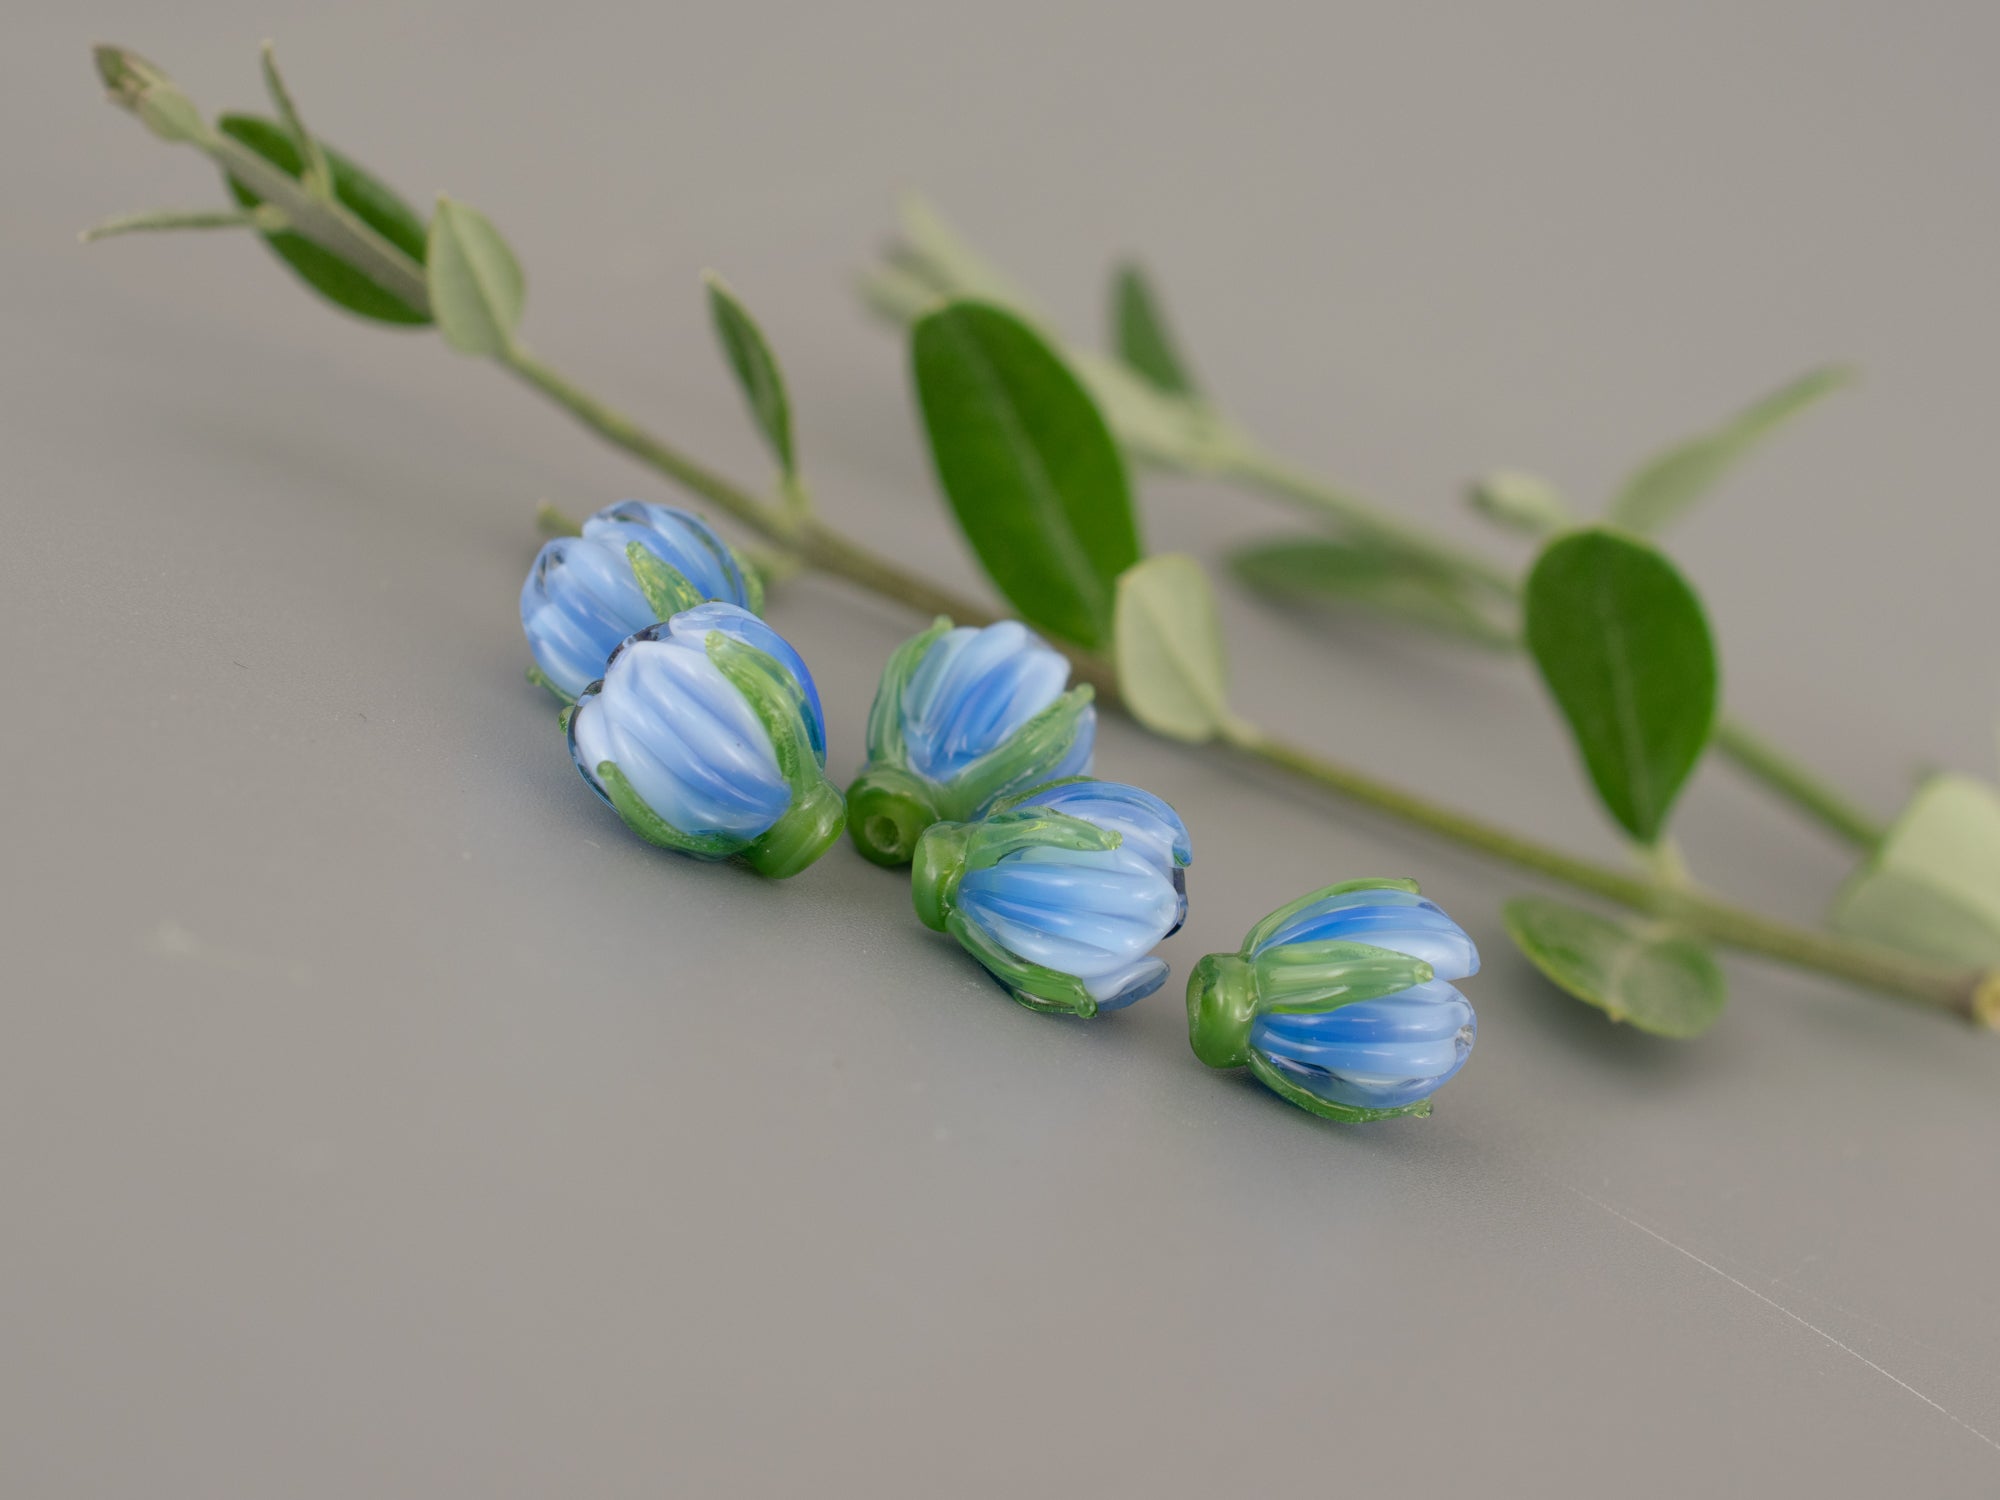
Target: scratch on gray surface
{"x": 1772, "y": 1302}
{"x": 175, "y": 941}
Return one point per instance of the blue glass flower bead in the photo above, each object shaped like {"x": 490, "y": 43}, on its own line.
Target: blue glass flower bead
{"x": 1342, "y": 1002}
{"x": 963, "y": 718}
{"x": 1062, "y": 892}
{"x": 706, "y": 736}
{"x": 635, "y": 564}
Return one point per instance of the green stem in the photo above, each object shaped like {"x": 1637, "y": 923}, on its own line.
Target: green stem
{"x": 1963, "y": 992}
{"x": 1777, "y": 769}
{"x": 1752, "y": 753}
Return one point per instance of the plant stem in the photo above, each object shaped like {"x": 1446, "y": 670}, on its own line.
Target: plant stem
{"x": 1963, "y": 992}
{"x": 1752, "y": 753}
{"x": 817, "y": 545}
{"x": 1775, "y": 768}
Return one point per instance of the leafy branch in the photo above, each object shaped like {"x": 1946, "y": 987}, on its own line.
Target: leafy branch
{"x": 1005, "y": 419}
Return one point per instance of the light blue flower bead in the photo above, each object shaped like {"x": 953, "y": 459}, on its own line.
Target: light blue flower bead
{"x": 634, "y": 565}
{"x": 1062, "y": 893}
{"x": 963, "y": 718}
{"x": 1342, "y": 1002}
{"x": 706, "y": 736}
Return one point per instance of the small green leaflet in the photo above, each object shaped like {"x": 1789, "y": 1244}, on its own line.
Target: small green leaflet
{"x": 1624, "y": 646}
{"x": 475, "y": 282}
{"x": 1520, "y": 502}
{"x": 1933, "y": 887}
{"x": 756, "y": 370}
{"x": 1670, "y": 482}
{"x": 376, "y": 204}
{"x": 1140, "y": 334}
{"x": 1656, "y": 980}
{"x": 1171, "y": 668}
{"x": 1031, "y": 471}
{"x": 1368, "y": 577}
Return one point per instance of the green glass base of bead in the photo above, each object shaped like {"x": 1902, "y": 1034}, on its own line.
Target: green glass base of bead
{"x": 809, "y": 827}
{"x": 887, "y": 812}
{"x": 1221, "y": 1004}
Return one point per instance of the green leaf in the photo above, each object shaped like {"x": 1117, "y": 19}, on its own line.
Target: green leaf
{"x": 1140, "y": 334}
{"x": 475, "y": 282}
{"x": 1625, "y": 649}
{"x": 1933, "y": 887}
{"x": 1520, "y": 502}
{"x": 756, "y": 370}
{"x": 1670, "y": 482}
{"x": 1028, "y": 465}
{"x": 1658, "y": 981}
{"x": 1171, "y": 669}
{"x": 370, "y": 200}
{"x": 1368, "y": 577}
{"x": 315, "y": 171}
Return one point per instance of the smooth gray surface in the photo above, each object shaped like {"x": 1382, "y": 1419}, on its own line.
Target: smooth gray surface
{"x": 377, "y": 1119}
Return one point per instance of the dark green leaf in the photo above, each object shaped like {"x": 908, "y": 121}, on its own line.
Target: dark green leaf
{"x": 1673, "y": 480}
{"x": 1368, "y": 577}
{"x": 370, "y": 200}
{"x": 1658, "y": 981}
{"x": 755, "y": 368}
{"x": 1028, "y": 465}
{"x": 1140, "y": 334}
{"x": 1171, "y": 668}
{"x": 475, "y": 283}
{"x": 1625, "y": 649}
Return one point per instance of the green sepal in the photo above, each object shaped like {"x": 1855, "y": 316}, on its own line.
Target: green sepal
{"x": 1274, "y": 1079}
{"x": 753, "y": 582}
{"x": 1019, "y": 764}
{"x": 1032, "y": 985}
{"x": 1227, "y": 992}
{"x": 817, "y": 813}
{"x": 541, "y": 679}
{"x": 1261, "y": 933}
{"x": 666, "y": 589}
{"x": 885, "y": 714}
{"x": 1299, "y": 979}
{"x": 948, "y": 850}
{"x": 655, "y": 829}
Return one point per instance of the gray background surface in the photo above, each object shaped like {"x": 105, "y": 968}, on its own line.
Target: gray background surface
{"x": 376, "y": 1118}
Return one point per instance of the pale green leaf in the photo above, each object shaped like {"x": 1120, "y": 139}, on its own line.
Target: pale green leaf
{"x": 1933, "y": 887}
{"x": 1520, "y": 502}
{"x": 1652, "y": 979}
{"x": 1171, "y": 668}
{"x": 1671, "y": 481}
{"x": 475, "y": 283}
